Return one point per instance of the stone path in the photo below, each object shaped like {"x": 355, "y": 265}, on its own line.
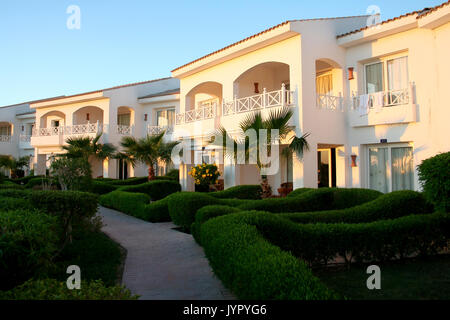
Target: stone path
{"x": 162, "y": 263}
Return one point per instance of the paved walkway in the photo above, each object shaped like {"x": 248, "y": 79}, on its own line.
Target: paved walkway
{"x": 162, "y": 263}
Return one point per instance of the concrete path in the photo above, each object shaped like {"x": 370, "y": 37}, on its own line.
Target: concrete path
{"x": 162, "y": 263}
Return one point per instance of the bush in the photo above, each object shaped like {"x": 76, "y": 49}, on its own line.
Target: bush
{"x": 50, "y": 289}
{"x": 39, "y": 181}
{"x": 24, "y": 180}
{"x": 299, "y": 191}
{"x": 15, "y": 193}
{"x": 173, "y": 174}
{"x": 252, "y": 267}
{"x": 434, "y": 174}
{"x": 157, "y": 211}
{"x": 10, "y": 185}
{"x": 74, "y": 209}
{"x": 126, "y": 202}
{"x": 206, "y": 213}
{"x": 129, "y": 181}
{"x": 11, "y": 203}
{"x": 365, "y": 242}
{"x": 99, "y": 187}
{"x": 184, "y": 205}
{"x": 316, "y": 200}
{"x": 157, "y": 189}
{"x": 253, "y": 192}
{"x": 389, "y": 206}
{"x": 27, "y": 243}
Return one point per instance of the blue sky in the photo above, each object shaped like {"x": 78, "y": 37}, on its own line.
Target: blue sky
{"x": 122, "y": 41}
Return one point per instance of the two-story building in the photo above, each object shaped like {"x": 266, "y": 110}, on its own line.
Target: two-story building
{"x": 373, "y": 98}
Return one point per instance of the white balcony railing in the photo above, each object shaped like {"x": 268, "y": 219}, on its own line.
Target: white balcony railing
{"x": 376, "y": 101}
{"x": 25, "y": 138}
{"x": 124, "y": 130}
{"x": 152, "y": 130}
{"x": 329, "y": 102}
{"x": 206, "y": 111}
{"x": 5, "y": 138}
{"x": 69, "y": 130}
{"x": 278, "y": 98}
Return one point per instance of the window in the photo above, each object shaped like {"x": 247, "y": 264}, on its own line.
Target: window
{"x": 389, "y": 74}
{"x": 324, "y": 84}
{"x": 5, "y": 130}
{"x": 55, "y": 123}
{"x": 165, "y": 118}
{"x": 124, "y": 119}
{"x": 391, "y": 168}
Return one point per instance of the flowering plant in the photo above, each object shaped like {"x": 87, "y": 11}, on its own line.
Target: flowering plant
{"x": 205, "y": 174}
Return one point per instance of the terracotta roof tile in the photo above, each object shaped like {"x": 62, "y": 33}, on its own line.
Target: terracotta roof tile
{"x": 419, "y": 13}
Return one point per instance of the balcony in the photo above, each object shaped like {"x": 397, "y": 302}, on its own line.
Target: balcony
{"x": 384, "y": 107}
{"x": 5, "y": 138}
{"x": 278, "y": 98}
{"x": 153, "y": 130}
{"x": 55, "y": 136}
{"x": 204, "y": 111}
{"x": 329, "y": 102}
{"x": 123, "y": 130}
{"x": 25, "y": 141}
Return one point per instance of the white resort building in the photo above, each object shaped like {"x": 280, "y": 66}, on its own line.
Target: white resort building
{"x": 374, "y": 100}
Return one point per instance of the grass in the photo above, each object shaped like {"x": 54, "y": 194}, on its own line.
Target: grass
{"x": 413, "y": 279}
{"x": 96, "y": 254}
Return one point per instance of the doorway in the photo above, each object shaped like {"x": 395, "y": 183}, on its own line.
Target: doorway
{"x": 326, "y": 168}
{"x": 123, "y": 169}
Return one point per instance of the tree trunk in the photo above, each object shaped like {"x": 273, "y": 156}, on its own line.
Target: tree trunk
{"x": 151, "y": 173}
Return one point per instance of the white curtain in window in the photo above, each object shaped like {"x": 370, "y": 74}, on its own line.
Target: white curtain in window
{"x": 171, "y": 118}
{"x": 378, "y": 158}
{"x": 324, "y": 84}
{"x": 397, "y": 73}
{"x": 402, "y": 169}
{"x": 374, "y": 77}
{"x": 124, "y": 119}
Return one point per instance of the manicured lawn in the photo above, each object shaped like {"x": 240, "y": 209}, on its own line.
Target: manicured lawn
{"x": 418, "y": 279}
{"x": 96, "y": 254}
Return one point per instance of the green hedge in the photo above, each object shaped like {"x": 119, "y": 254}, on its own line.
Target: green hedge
{"x": 37, "y": 181}
{"x": 129, "y": 181}
{"x": 252, "y": 267}
{"x": 156, "y": 190}
{"x": 316, "y": 200}
{"x": 365, "y": 242}
{"x": 11, "y": 185}
{"x": 299, "y": 191}
{"x": 388, "y": 206}
{"x": 157, "y": 211}
{"x": 50, "y": 289}
{"x": 12, "y": 203}
{"x": 126, "y": 202}
{"x": 15, "y": 193}
{"x": 100, "y": 187}
{"x": 434, "y": 174}
{"x": 74, "y": 209}
{"x": 173, "y": 174}
{"x": 28, "y": 240}
{"x": 206, "y": 213}
{"x": 25, "y": 180}
{"x": 253, "y": 192}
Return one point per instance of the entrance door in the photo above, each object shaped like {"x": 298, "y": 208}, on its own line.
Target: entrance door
{"x": 326, "y": 168}
{"x": 123, "y": 169}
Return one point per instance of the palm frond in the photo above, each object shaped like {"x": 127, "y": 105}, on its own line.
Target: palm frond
{"x": 299, "y": 144}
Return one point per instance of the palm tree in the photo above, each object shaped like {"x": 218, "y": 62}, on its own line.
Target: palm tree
{"x": 148, "y": 150}
{"x": 88, "y": 148}
{"x": 276, "y": 120}
{"x": 14, "y": 164}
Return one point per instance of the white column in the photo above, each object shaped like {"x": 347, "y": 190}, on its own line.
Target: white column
{"x": 229, "y": 174}
{"x": 106, "y": 168}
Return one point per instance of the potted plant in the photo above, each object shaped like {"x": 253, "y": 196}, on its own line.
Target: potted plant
{"x": 204, "y": 176}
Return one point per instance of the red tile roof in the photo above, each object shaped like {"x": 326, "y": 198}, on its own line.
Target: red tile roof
{"x": 419, "y": 13}
{"x": 257, "y": 35}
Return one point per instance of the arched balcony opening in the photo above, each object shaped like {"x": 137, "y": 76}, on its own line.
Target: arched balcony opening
{"x": 125, "y": 120}
{"x": 87, "y": 119}
{"x": 202, "y": 102}
{"x": 329, "y": 85}
{"x": 6, "y": 131}
{"x": 50, "y": 124}
{"x": 263, "y": 86}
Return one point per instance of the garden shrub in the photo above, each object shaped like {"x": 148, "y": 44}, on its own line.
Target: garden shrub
{"x": 315, "y": 200}
{"x": 206, "y": 213}
{"x": 253, "y": 192}
{"x": 365, "y": 242}
{"x": 184, "y": 205}
{"x": 156, "y": 189}
{"x": 51, "y": 289}
{"x": 74, "y": 209}
{"x": 12, "y": 203}
{"x": 434, "y": 175}
{"x": 126, "y": 202}
{"x": 157, "y": 211}
{"x": 28, "y": 240}
{"x": 173, "y": 174}
{"x": 299, "y": 191}
{"x": 129, "y": 181}
{"x": 99, "y": 187}
{"x": 252, "y": 267}
{"x": 39, "y": 181}
{"x": 388, "y": 206}
{"x": 10, "y": 185}
{"x": 15, "y": 193}
{"x": 24, "y": 180}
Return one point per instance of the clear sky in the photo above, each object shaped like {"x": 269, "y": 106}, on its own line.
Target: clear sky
{"x": 122, "y": 41}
